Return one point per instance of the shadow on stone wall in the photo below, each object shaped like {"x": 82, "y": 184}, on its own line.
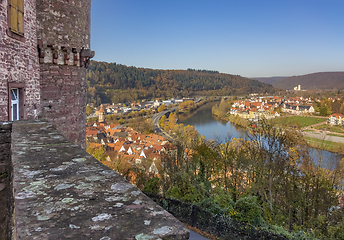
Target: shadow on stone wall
{"x": 6, "y": 196}
{"x": 218, "y": 225}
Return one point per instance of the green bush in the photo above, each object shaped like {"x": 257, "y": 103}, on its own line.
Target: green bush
{"x": 210, "y": 205}
{"x": 183, "y": 190}
{"x": 249, "y": 211}
{"x": 223, "y": 199}
{"x": 121, "y": 121}
{"x": 152, "y": 185}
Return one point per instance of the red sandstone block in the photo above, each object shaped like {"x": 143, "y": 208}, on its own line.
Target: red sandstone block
{"x": 54, "y": 72}
{"x": 53, "y": 67}
{"x": 66, "y": 72}
{"x": 44, "y": 73}
{"x": 66, "y": 88}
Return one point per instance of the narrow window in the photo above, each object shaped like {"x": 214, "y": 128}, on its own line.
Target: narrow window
{"x": 15, "y": 104}
{"x": 16, "y": 16}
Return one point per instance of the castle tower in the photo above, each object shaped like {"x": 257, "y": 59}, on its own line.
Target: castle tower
{"x": 101, "y": 114}
{"x": 63, "y": 33}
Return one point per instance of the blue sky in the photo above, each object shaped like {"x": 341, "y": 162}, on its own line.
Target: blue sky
{"x": 251, "y": 38}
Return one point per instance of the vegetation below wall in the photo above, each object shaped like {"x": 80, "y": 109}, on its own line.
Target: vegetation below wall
{"x": 273, "y": 186}
{"x": 111, "y": 82}
{"x": 270, "y": 184}
{"x": 216, "y": 223}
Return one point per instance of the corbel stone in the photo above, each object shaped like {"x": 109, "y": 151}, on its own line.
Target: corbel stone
{"x": 66, "y": 57}
{"x": 76, "y": 56}
{"x": 55, "y": 52}
{"x": 85, "y": 57}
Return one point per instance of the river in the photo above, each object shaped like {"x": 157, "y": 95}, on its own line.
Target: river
{"x": 206, "y": 124}
{"x": 211, "y": 128}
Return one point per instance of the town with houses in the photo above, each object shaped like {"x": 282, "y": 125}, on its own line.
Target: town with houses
{"x": 136, "y": 147}
{"x": 121, "y": 108}
{"x": 126, "y": 143}
{"x": 271, "y": 107}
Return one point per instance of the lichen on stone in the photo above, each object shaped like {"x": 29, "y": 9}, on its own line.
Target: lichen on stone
{"x": 121, "y": 187}
{"x": 101, "y": 217}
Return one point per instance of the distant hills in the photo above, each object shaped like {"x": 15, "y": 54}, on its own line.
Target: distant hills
{"x": 268, "y": 80}
{"x": 314, "y": 81}
{"x": 114, "y": 83}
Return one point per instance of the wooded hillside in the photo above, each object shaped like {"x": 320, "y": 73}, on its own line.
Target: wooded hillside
{"x": 111, "y": 82}
{"x": 269, "y": 80}
{"x": 314, "y": 81}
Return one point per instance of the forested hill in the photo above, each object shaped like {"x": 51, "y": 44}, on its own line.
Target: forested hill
{"x": 314, "y": 81}
{"x": 269, "y": 80}
{"x": 111, "y": 82}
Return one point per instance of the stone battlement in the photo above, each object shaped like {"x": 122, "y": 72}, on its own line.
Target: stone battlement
{"x": 61, "y": 192}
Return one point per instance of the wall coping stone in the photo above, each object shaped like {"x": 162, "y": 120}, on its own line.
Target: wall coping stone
{"x": 62, "y": 192}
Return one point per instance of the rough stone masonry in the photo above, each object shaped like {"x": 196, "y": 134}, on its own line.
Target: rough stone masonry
{"x": 63, "y": 33}
{"x": 47, "y": 63}
{"x": 61, "y": 192}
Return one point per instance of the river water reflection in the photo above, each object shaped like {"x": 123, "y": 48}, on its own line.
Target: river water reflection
{"x": 206, "y": 124}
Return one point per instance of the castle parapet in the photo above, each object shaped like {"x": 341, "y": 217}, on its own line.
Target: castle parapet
{"x": 61, "y": 192}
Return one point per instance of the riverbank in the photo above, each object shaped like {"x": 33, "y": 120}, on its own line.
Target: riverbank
{"x": 186, "y": 113}
{"x": 315, "y": 139}
{"x": 325, "y": 142}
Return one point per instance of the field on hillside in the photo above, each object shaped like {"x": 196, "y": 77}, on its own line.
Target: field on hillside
{"x": 298, "y": 121}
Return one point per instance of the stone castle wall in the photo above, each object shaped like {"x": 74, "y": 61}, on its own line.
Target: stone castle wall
{"x": 64, "y": 23}
{"x": 63, "y": 99}
{"x": 19, "y": 62}
{"x": 64, "y": 41}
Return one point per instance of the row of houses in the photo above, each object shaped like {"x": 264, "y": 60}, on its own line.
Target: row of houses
{"x": 298, "y": 106}
{"x": 296, "y": 109}
{"x": 255, "y": 109}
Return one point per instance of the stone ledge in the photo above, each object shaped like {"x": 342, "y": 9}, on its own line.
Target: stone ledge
{"x": 61, "y": 192}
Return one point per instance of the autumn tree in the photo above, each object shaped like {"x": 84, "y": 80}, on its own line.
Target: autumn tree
{"x": 187, "y": 105}
{"x": 89, "y": 110}
{"x": 162, "y": 108}
{"x": 98, "y": 153}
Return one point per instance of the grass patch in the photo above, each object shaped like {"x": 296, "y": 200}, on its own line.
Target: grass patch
{"x": 298, "y": 121}
{"x": 325, "y": 127}
{"x": 325, "y": 145}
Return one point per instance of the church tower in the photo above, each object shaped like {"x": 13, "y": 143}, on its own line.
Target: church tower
{"x": 101, "y": 116}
